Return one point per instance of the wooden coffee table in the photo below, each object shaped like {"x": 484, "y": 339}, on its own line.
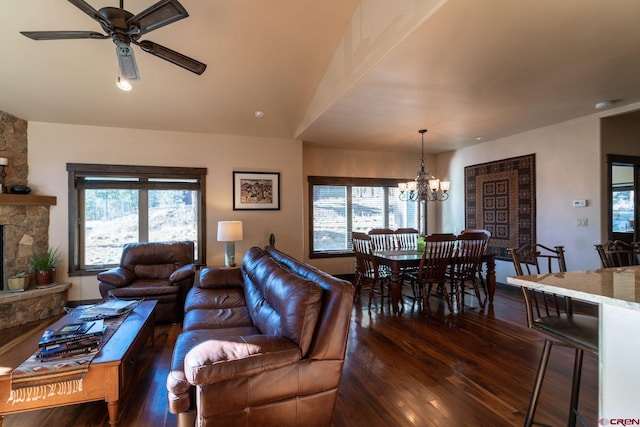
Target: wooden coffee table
{"x": 109, "y": 374}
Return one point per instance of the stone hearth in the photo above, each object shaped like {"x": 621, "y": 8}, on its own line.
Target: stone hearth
{"x": 18, "y": 308}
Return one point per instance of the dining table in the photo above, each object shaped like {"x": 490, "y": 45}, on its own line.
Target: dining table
{"x": 617, "y": 293}
{"x": 397, "y": 260}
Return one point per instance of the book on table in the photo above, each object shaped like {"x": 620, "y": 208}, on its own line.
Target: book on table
{"x": 72, "y": 332}
{"x": 70, "y": 348}
{"x": 69, "y": 339}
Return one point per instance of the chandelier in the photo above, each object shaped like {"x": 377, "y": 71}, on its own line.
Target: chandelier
{"x": 425, "y": 187}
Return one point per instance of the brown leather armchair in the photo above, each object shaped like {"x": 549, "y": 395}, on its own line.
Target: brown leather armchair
{"x": 161, "y": 271}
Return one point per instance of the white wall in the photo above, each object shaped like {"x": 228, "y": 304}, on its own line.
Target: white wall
{"x": 52, "y": 146}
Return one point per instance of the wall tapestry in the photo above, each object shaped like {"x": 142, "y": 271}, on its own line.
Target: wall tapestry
{"x": 500, "y": 197}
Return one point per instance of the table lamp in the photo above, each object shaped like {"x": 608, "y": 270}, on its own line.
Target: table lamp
{"x": 229, "y": 232}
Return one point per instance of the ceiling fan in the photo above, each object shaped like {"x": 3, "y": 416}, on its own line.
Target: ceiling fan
{"x": 125, "y": 28}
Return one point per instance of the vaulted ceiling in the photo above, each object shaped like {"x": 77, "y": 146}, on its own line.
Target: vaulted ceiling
{"x": 344, "y": 73}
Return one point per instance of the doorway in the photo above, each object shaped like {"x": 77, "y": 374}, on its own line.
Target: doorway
{"x": 623, "y": 197}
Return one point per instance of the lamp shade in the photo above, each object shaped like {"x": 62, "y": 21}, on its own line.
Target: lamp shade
{"x": 229, "y": 231}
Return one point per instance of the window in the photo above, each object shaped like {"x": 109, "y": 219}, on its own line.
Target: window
{"x": 112, "y": 205}
{"x": 339, "y": 206}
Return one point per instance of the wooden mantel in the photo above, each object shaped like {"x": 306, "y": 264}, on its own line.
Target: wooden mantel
{"x": 27, "y": 199}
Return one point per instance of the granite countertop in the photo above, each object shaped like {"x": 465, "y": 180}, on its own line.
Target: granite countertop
{"x": 613, "y": 286}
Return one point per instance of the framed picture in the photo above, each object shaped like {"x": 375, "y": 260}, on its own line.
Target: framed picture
{"x": 256, "y": 191}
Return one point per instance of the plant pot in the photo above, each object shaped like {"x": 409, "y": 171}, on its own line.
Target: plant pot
{"x": 18, "y": 283}
{"x": 45, "y": 277}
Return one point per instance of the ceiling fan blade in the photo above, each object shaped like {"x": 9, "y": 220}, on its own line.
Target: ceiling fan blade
{"x": 62, "y": 35}
{"x": 127, "y": 63}
{"x": 158, "y": 15}
{"x": 172, "y": 56}
{"x": 86, "y": 8}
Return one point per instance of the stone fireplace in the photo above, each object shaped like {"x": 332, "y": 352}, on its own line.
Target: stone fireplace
{"x": 24, "y": 219}
{"x": 24, "y": 227}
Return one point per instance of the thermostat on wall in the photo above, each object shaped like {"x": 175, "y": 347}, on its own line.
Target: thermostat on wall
{"x": 579, "y": 203}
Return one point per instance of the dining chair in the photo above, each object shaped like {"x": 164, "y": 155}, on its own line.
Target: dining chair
{"x": 470, "y": 247}
{"x": 406, "y": 239}
{"x": 368, "y": 271}
{"x": 616, "y": 253}
{"x": 480, "y": 269}
{"x": 383, "y": 239}
{"x": 436, "y": 258}
{"x": 554, "y": 316}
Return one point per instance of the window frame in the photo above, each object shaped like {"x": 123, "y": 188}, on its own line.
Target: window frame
{"x": 76, "y": 186}
{"x": 349, "y": 182}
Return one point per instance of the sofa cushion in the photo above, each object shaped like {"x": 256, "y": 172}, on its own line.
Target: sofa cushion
{"x": 156, "y": 271}
{"x": 214, "y": 277}
{"x": 214, "y": 318}
{"x": 148, "y": 290}
{"x": 328, "y": 341}
{"x": 218, "y": 360}
{"x": 280, "y": 303}
{"x": 214, "y": 298}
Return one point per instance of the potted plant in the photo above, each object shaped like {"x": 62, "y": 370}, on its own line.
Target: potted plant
{"x": 44, "y": 266}
{"x": 19, "y": 281}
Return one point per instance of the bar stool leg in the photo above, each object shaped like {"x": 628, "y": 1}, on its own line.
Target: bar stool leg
{"x": 575, "y": 387}
{"x": 535, "y": 394}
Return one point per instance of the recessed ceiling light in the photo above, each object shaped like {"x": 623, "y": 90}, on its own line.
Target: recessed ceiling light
{"x": 603, "y": 104}
{"x": 259, "y": 114}
{"x": 479, "y": 138}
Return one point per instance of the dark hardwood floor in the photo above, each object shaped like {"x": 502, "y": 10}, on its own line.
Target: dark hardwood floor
{"x": 474, "y": 369}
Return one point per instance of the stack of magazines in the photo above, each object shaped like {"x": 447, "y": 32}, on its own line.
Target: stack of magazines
{"x": 112, "y": 307}
{"x": 70, "y": 340}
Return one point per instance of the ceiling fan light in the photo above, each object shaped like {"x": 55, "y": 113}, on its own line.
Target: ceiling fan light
{"x": 123, "y": 84}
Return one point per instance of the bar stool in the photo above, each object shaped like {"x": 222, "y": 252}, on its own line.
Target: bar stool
{"x": 616, "y": 253}
{"x": 553, "y": 315}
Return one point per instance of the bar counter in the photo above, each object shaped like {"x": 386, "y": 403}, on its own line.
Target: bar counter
{"x": 617, "y": 292}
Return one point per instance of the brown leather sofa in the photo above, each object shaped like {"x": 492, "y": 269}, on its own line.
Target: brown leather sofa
{"x": 263, "y": 344}
{"x": 161, "y": 271}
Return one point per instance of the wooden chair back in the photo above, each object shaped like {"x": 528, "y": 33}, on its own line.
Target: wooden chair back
{"x": 437, "y": 255}
{"x": 540, "y": 259}
{"x": 362, "y": 251}
{"x": 469, "y": 250}
{"x": 407, "y": 238}
{"x": 476, "y": 230}
{"x": 616, "y": 253}
{"x": 535, "y": 258}
{"x": 383, "y": 239}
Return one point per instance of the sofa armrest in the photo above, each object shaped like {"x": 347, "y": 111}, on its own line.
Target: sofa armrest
{"x": 215, "y": 361}
{"x": 118, "y": 277}
{"x": 217, "y": 277}
{"x": 184, "y": 272}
